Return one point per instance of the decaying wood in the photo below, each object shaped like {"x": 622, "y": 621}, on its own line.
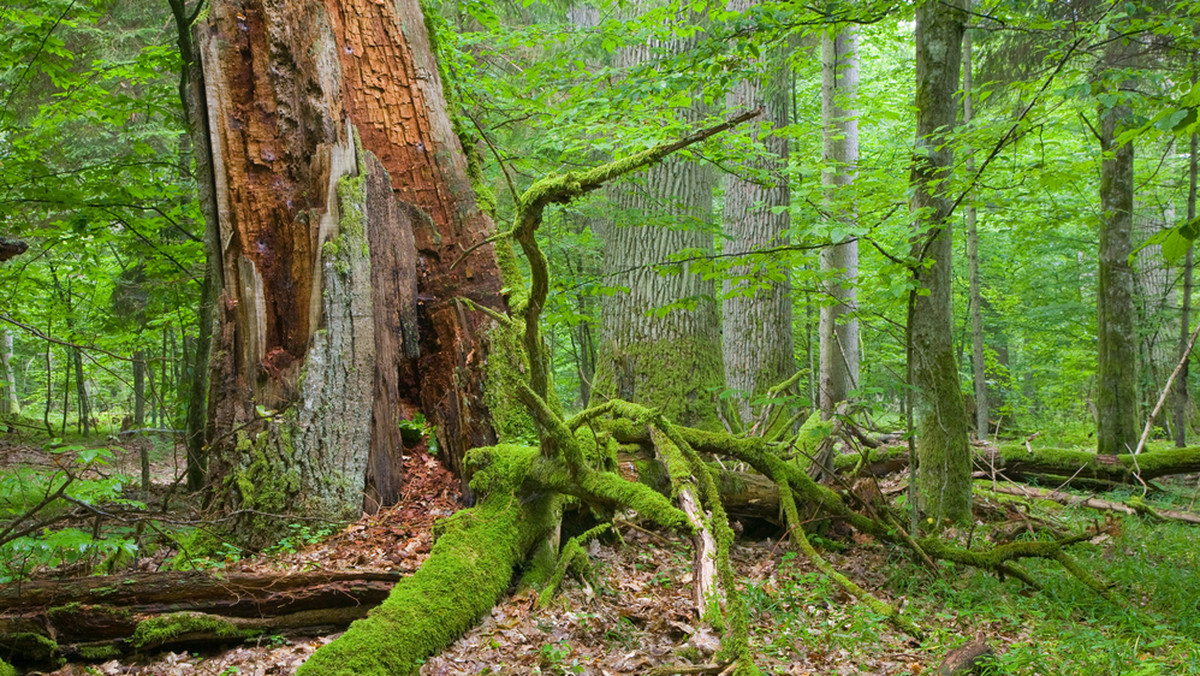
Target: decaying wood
{"x": 968, "y": 659}
{"x": 93, "y": 611}
{"x": 704, "y": 547}
{"x": 1095, "y": 503}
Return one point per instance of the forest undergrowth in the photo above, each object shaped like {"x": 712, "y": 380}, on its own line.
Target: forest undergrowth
{"x": 631, "y": 612}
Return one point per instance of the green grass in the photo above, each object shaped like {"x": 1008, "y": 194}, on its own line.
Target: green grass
{"x": 1064, "y": 629}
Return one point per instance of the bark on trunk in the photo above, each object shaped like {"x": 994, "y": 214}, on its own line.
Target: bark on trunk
{"x": 1182, "y": 404}
{"x": 10, "y": 402}
{"x": 139, "y": 388}
{"x": 757, "y": 307}
{"x": 102, "y": 617}
{"x": 839, "y": 263}
{"x": 670, "y": 361}
{"x": 82, "y": 401}
{"x": 978, "y": 361}
{"x": 1116, "y": 373}
{"x": 343, "y": 199}
{"x": 944, "y": 460}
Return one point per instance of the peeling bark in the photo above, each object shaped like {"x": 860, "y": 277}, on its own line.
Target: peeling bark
{"x": 342, "y": 198}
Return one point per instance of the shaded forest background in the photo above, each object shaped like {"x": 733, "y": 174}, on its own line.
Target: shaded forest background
{"x": 861, "y": 251}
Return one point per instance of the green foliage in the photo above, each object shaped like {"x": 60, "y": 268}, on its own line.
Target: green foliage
{"x": 34, "y": 502}
{"x": 298, "y": 537}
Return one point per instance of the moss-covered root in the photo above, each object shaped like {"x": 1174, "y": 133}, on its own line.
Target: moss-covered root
{"x": 468, "y": 570}
{"x": 572, "y": 558}
{"x": 998, "y": 560}
{"x": 795, "y": 528}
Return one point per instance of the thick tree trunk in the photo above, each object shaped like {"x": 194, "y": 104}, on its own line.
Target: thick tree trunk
{"x": 757, "y": 307}
{"x": 978, "y": 360}
{"x": 1116, "y": 374}
{"x": 343, "y": 199}
{"x": 670, "y": 361}
{"x": 102, "y": 617}
{"x": 839, "y": 263}
{"x": 10, "y": 402}
{"x": 944, "y": 459}
{"x": 1182, "y": 405}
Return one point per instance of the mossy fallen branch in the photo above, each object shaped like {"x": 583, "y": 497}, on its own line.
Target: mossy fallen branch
{"x": 468, "y": 570}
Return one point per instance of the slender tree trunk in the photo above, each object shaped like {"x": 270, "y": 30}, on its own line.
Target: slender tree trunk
{"x": 1182, "y": 403}
{"x": 83, "y": 401}
{"x": 10, "y": 402}
{"x": 1116, "y": 374}
{"x": 757, "y": 325}
{"x": 139, "y": 388}
{"x": 49, "y": 379}
{"x": 839, "y": 263}
{"x": 670, "y": 361}
{"x": 66, "y": 405}
{"x": 978, "y": 360}
{"x": 343, "y": 199}
{"x": 943, "y": 454}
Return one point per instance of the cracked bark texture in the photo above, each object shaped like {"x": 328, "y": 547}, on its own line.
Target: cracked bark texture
{"x": 943, "y": 455}
{"x": 342, "y": 198}
{"x": 756, "y": 307}
{"x": 671, "y": 361}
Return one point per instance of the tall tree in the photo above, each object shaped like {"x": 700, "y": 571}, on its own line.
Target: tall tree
{"x": 978, "y": 361}
{"x": 756, "y": 311}
{"x": 1182, "y": 406}
{"x": 343, "y": 203}
{"x": 839, "y": 262}
{"x": 944, "y": 458}
{"x": 1116, "y": 371}
{"x": 668, "y": 359}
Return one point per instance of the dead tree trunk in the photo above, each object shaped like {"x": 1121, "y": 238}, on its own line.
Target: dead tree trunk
{"x": 342, "y": 199}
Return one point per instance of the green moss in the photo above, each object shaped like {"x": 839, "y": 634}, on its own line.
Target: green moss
{"x": 163, "y": 629}
{"x": 676, "y": 377}
{"x": 99, "y": 652}
{"x": 7, "y": 669}
{"x": 470, "y": 567}
{"x": 266, "y": 481}
{"x": 572, "y": 559}
{"x": 30, "y": 646}
{"x": 504, "y": 371}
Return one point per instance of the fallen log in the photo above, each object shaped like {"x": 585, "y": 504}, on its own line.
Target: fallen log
{"x": 97, "y": 618}
{"x": 1133, "y": 506}
{"x": 1019, "y": 463}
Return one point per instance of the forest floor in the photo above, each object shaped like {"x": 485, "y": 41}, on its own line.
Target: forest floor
{"x": 635, "y": 613}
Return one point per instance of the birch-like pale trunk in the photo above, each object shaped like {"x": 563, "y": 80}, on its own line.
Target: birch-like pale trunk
{"x": 839, "y": 262}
